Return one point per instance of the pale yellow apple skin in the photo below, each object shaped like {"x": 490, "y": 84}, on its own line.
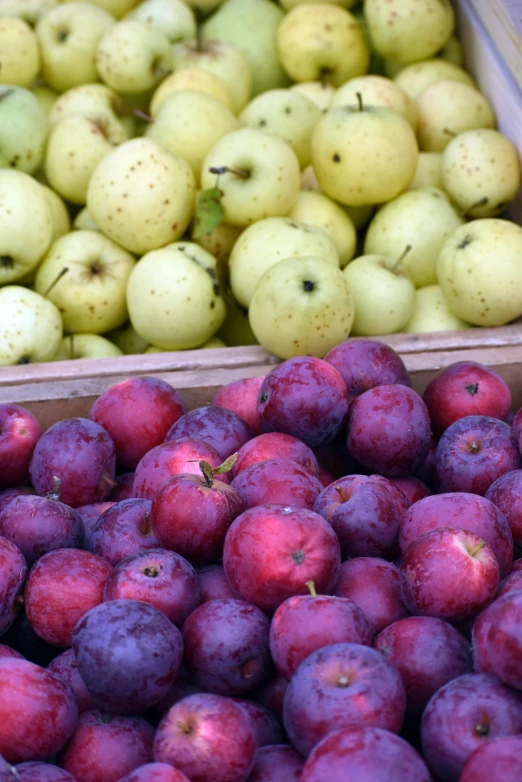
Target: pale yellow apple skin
{"x": 83, "y": 220}
{"x": 320, "y": 93}
{"x": 481, "y": 172}
{"x": 172, "y": 17}
{"x": 174, "y": 298}
{"x": 95, "y": 99}
{"x": 220, "y": 241}
{"x": 23, "y": 129}
{"x": 30, "y": 327}
{"x": 376, "y": 91}
{"x": 480, "y": 272}
{"x": 428, "y": 172}
{"x": 272, "y": 185}
{"x": 68, "y": 36}
{"x": 418, "y": 76}
{"x": 132, "y": 57}
{"x": 452, "y": 51}
{"x": 301, "y": 306}
{"x": 430, "y": 313}
{"x": 117, "y": 8}
{"x": 422, "y": 219}
{"x": 225, "y": 61}
{"x": 236, "y": 329}
{"x": 46, "y": 97}
{"x": 213, "y": 342}
{"x": 141, "y": 196}
{"x": 320, "y": 211}
{"x": 85, "y": 346}
{"x": 91, "y": 295}
{"x": 26, "y": 225}
{"x": 409, "y": 30}
{"x": 363, "y": 157}
{"x": 128, "y": 340}
{"x": 286, "y": 114}
{"x": 189, "y": 124}
{"x": 447, "y": 109}
{"x": 191, "y": 79}
{"x": 319, "y": 40}
{"x": 267, "y": 242}
{"x": 382, "y": 296}
{"x": 61, "y": 219}
{"x": 19, "y": 53}
{"x": 28, "y": 10}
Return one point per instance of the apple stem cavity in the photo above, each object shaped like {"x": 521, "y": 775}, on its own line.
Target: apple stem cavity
{"x": 311, "y": 588}
{"x": 145, "y": 528}
{"x": 6, "y": 261}
{"x": 58, "y": 277}
{"x": 308, "y": 285}
{"x": 472, "y": 388}
{"x": 54, "y": 494}
{"x": 477, "y": 548}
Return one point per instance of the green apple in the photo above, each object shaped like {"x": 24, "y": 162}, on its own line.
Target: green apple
{"x": 128, "y": 340}
{"x": 132, "y": 57}
{"x": 376, "y": 91}
{"x": 95, "y": 99}
{"x": 430, "y": 313}
{"x": 174, "y": 298}
{"x": 26, "y": 225}
{"x": 213, "y": 342}
{"x": 286, "y": 114}
{"x": 46, "y": 97}
{"x": 320, "y": 93}
{"x": 68, "y": 36}
{"x": 416, "y": 78}
{"x": 84, "y": 221}
{"x": 236, "y": 329}
{"x": 447, "y": 109}
{"x": 85, "y": 346}
{"x": 189, "y": 124}
{"x": 172, "y": 17}
{"x": 191, "y": 79}
{"x": 223, "y": 60}
{"x": 428, "y": 172}
{"x": 19, "y": 56}
{"x": 28, "y": 10}
{"x": 320, "y": 211}
{"x": 251, "y": 26}
{"x": 409, "y": 30}
{"x": 301, "y": 306}
{"x": 76, "y": 145}
{"x": 85, "y": 275}
{"x": 365, "y": 156}
{"x": 117, "y": 8}
{"x": 481, "y": 172}
{"x": 383, "y": 295}
{"x": 60, "y": 214}
{"x": 422, "y": 219}
{"x": 318, "y": 41}
{"x": 23, "y": 129}
{"x": 30, "y": 325}
{"x": 141, "y": 196}
{"x": 269, "y": 241}
{"x": 260, "y": 175}
{"x": 452, "y": 51}
{"x": 480, "y": 272}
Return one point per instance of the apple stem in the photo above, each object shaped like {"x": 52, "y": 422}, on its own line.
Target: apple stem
{"x": 401, "y": 257}
{"x": 482, "y": 202}
{"x": 144, "y": 527}
{"x": 106, "y": 479}
{"x": 208, "y": 473}
{"x": 57, "y": 279}
{"x": 360, "y": 101}
{"x": 449, "y": 132}
{"x": 239, "y": 172}
{"x": 311, "y": 588}
{"x": 142, "y": 115}
{"x": 477, "y": 548}
{"x": 54, "y": 494}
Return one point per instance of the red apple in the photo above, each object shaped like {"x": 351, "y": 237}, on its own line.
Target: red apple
{"x": 511, "y": 583}
{"x": 42, "y": 772}
{"x": 275, "y": 445}
{"x": 90, "y": 515}
{"x": 277, "y": 764}
{"x": 277, "y": 482}
{"x": 427, "y": 472}
{"x": 13, "y": 570}
{"x": 66, "y": 667}
{"x": 223, "y": 429}
{"x": 271, "y": 695}
{"x": 517, "y": 428}
{"x": 213, "y": 583}
{"x": 123, "y": 530}
{"x": 366, "y": 363}
{"x": 266, "y": 727}
{"x": 499, "y": 759}
{"x": 6, "y": 495}
{"x": 7, "y": 651}
{"x": 137, "y": 413}
{"x": 240, "y": 396}
{"x": 155, "y": 772}
{"x": 412, "y": 488}
{"x": 124, "y": 489}
{"x": 497, "y": 639}
{"x": 506, "y": 494}
{"x": 325, "y": 477}
{"x": 19, "y": 433}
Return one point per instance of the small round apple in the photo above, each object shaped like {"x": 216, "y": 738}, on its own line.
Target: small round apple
{"x": 61, "y": 219}
{"x": 172, "y": 17}
{"x": 23, "y": 129}
{"x": 97, "y": 99}
{"x": 31, "y": 327}
{"x": 376, "y": 91}
{"x": 196, "y": 79}
{"x": 18, "y": 53}
{"x": 319, "y": 41}
{"x": 363, "y": 156}
{"x": 418, "y": 76}
{"x": 475, "y": 289}
{"x": 431, "y": 313}
{"x": 301, "y": 306}
{"x": 406, "y": 30}
{"x": 428, "y": 172}
{"x": 258, "y": 175}
{"x": 316, "y": 209}
{"x": 318, "y": 92}
{"x": 481, "y": 172}
{"x": 219, "y": 241}
{"x": 85, "y": 346}
{"x": 174, "y": 297}
{"x": 142, "y": 196}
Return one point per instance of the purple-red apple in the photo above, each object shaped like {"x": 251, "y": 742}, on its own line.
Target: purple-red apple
{"x": 366, "y": 363}
{"x": 123, "y": 530}
{"x": 213, "y": 583}
{"x": 35, "y": 771}
{"x": 277, "y": 764}
{"x": 506, "y": 494}
{"x": 497, "y": 639}
{"x": 271, "y": 695}
{"x": 277, "y": 482}
{"x": 66, "y": 667}
{"x": 124, "y": 489}
{"x": 266, "y": 727}
{"x": 219, "y": 427}
{"x": 511, "y": 583}
{"x": 412, "y": 488}
{"x": 13, "y": 570}
{"x": 19, "y": 433}
{"x": 6, "y": 495}
{"x": 275, "y": 445}
{"x": 155, "y": 772}
{"x": 499, "y": 759}
{"x": 241, "y": 396}
{"x": 90, "y": 515}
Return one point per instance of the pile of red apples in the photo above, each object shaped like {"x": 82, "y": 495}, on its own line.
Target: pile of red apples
{"x": 315, "y": 578}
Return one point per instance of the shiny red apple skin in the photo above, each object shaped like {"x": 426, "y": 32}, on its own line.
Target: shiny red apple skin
{"x": 412, "y": 488}
{"x": 209, "y": 738}
{"x": 389, "y": 430}
{"x": 61, "y": 587}
{"x": 137, "y": 413}
{"x": 375, "y": 586}
{"x": 460, "y": 510}
{"x": 155, "y": 772}
{"x": 427, "y": 652}
{"x": 123, "y": 530}
{"x": 66, "y": 667}
{"x": 213, "y": 583}
{"x": 223, "y": 429}
{"x": 303, "y": 624}
{"x": 449, "y": 574}
{"x": 297, "y": 546}
{"x": 38, "y": 711}
{"x": 277, "y": 482}
{"x": 305, "y": 397}
{"x": 365, "y": 364}
{"x": 497, "y": 639}
{"x": 506, "y": 494}
{"x": 13, "y": 571}
{"x": 175, "y": 457}
{"x": 499, "y": 759}
{"x": 364, "y": 754}
{"x": 81, "y": 455}
{"x": 240, "y": 396}
{"x": 192, "y": 518}
{"x": 464, "y": 714}
{"x": 275, "y": 445}
{"x": 277, "y": 764}
{"x": 19, "y": 433}
{"x": 466, "y": 388}
{"x": 342, "y": 686}
{"x": 90, "y": 515}
{"x": 35, "y": 771}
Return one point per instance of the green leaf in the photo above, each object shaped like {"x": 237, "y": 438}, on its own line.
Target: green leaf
{"x": 209, "y": 212}
{"x": 227, "y": 465}
{"x": 208, "y": 475}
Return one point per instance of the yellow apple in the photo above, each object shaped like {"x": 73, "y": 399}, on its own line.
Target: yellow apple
{"x": 376, "y": 91}
{"x": 320, "y": 211}
{"x": 417, "y": 77}
{"x": 320, "y": 93}
{"x": 23, "y": 129}
{"x": 428, "y": 172}
{"x": 83, "y": 220}
{"x": 46, "y": 97}
{"x": 128, "y": 340}
{"x": 236, "y": 329}
{"x": 60, "y": 214}
{"x": 85, "y": 346}
{"x": 172, "y": 17}
{"x": 30, "y": 325}
{"x": 95, "y": 99}
{"x": 19, "y": 54}
{"x": 28, "y": 10}
{"x": 220, "y": 241}
{"x": 430, "y": 313}
{"x": 191, "y": 79}
{"x": 452, "y": 51}
{"x": 116, "y": 7}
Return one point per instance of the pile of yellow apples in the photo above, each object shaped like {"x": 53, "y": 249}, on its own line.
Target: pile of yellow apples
{"x": 177, "y": 174}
